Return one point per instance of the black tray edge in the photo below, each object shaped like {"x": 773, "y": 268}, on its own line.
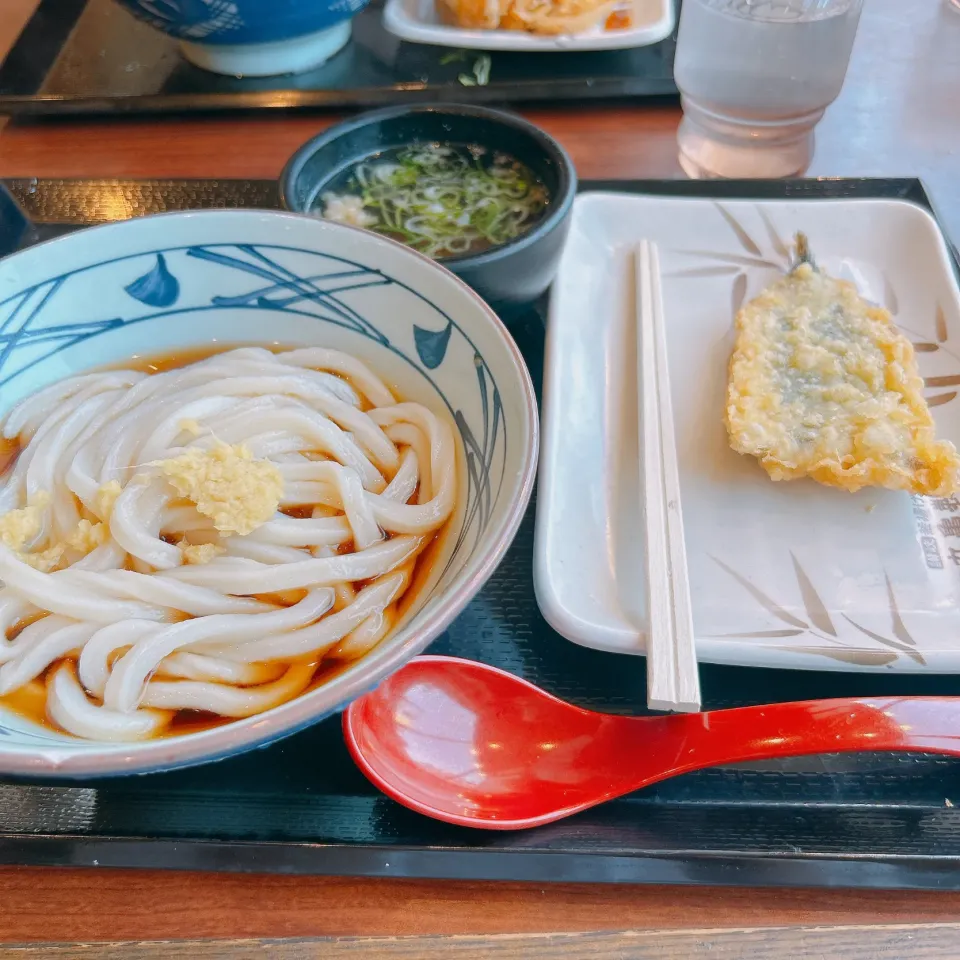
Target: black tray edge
{"x": 680, "y": 868}
{"x": 794, "y": 188}
{"x": 531, "y": 94}
{"x": 910, "y": 189}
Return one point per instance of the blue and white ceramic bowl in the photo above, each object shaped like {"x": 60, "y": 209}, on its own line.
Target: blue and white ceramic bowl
{"x": 186, "y": 280}
{"x": 252, "y": 37}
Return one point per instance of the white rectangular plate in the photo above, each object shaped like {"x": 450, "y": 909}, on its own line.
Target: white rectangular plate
{"x": 417, "y": 21}
{"x": 790, "y": 574}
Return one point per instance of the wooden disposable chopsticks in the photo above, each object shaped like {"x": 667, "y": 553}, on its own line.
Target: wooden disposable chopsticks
{"x": 673, "y": 682}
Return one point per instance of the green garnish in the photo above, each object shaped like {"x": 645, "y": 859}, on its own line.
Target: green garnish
{"x": 481, "y": 70}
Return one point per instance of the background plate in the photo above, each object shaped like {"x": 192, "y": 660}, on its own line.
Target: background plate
{"x": 417, "y": 21}
{"x": 782, "y": 574}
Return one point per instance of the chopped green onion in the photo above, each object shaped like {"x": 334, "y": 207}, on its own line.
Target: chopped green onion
{"x": 481, "y": 70}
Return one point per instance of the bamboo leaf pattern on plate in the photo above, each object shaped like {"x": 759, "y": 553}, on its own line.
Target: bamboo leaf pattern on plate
{"x": 739, "y": 260}
{"x": 900, "y": 630}
{"x": 941, "y": 346}
{"x": 739, "y": 293}
{"x": 737, "y": 265}
{"x": 822, "y": 627}
{"x": 746, "y": 241}
{"x": 860, "y": 657}
{"x": 816, "y": 611}
{"x": 780, "y": 248}
{"x": 768, "y": 604}
{"x": 940, "y": 324}
{"x": 886, "y": 641}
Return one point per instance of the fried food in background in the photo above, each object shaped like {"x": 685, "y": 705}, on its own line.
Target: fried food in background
{"x": 550, "y": 17}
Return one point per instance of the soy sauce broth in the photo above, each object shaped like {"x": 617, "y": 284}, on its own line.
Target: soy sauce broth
{"x": 445, "y": 200}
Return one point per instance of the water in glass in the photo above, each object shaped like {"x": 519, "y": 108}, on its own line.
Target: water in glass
{"x": 755, "y": 77}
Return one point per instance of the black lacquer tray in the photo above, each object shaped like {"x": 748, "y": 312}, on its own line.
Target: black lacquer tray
{"x": 93, "y": 57}
{"x": 300, "y": 806}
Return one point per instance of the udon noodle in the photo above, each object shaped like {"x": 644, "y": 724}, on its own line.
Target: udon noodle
{"x": 200, "y": 539}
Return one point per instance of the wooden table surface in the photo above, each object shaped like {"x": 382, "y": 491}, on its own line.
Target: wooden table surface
{"x": 898, "y": 115}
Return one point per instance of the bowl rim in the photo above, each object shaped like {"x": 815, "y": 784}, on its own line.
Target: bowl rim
{"x": 64, "y": 760}
{"x": 556, "y": 211}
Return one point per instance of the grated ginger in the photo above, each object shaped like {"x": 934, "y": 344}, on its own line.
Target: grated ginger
{"x": 237, "y": 492}
{"x": 19, "y": 527}
{"x": 87, "y": 536}
{"x": 200, "y": 552}
{"x": 44, "y": 560}
{"x": 106, "y": 497}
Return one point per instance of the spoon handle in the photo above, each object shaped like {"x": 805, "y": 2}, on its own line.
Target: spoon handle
{"x": 695, "y": 741}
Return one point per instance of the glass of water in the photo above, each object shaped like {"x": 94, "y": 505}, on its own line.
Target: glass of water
{"x": 755, "y": 77}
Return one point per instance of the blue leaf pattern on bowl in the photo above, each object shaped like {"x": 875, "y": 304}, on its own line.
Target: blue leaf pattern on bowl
{"x": 158, "y": 288}
{"x": 432, "y": 345}
{"x": 294, "y": 290}
{"x": 241, "y": 22}
{"x": 193, "y": 19}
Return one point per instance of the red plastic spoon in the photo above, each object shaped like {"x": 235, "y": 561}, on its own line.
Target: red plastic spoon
{"x": 472, "y": 745}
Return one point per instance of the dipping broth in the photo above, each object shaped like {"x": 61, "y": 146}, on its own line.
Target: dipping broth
{"x": 444, "y": 200}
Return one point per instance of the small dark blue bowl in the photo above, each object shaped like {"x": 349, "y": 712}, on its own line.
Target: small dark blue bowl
{"x": 510, "y": 274}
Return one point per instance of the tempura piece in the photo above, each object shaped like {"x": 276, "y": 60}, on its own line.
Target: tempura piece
{"x": 823, "y": 385}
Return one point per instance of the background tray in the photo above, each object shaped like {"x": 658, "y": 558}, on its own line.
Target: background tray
{"x": 301, "y": 806}
{"x": 93, "y": 57}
